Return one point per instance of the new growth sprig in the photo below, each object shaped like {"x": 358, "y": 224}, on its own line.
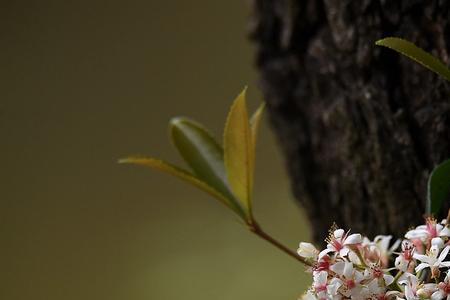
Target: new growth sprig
{"x": 226, "y": 171}
{"x": 351, "y": 266}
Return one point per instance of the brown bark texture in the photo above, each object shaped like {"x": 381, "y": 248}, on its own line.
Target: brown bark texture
{"x": 360, "y": 126}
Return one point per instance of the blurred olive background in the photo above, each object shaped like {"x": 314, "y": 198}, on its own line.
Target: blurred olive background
{"x": 84, "y": 83}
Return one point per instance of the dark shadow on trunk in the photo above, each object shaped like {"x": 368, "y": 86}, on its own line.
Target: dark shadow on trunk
{"x": 360, "y": 127}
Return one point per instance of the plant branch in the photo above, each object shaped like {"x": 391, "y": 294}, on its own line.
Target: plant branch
{"x": 256, "y": 229}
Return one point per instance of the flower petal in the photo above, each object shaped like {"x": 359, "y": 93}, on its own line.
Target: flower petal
{"x": 348, "y": 270}
{"x": 308, "y": 296}
{"x": 395, "y": 245}
{"x": 423, "y": 258}
{"x": 437, "y": 242}
{"x": 338, "y": 233}
{"x": 445, "y": 231}
{"x": 324, "y": 252}
{"x": 307, "y": 250}
{"x": 358, "y": 276}
{"x": 388, "y": 279}
{"x": 353, "y": 239}
{"x": 333, "y": 287}
{"x": 438, "y": 295}
{"x": 421, "y": 266}
{"x": 444, "y": 253}
{"x": 444, "y": 264}
{"x": 343, "y": 252}
{"x": 338, "y": 268}
{"x": 416, "y": 234}
{"x": 383, "y": 241}
{"x": 321, "y": 278}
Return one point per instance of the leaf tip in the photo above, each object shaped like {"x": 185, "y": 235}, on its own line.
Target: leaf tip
{"x": 125, "y": 160}
{"x": 175, "y": 121}
{"x": 174, "y": 124}
{"x": 385, "y": 41}
{"x": 244, "y": 92}
{"x": 239, "y": 101}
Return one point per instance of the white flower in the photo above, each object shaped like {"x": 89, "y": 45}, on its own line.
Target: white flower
{"x": 428, "y": 231}
{"x": 379, "y": 251}
{"x": 349, "y": 278}
{"x": 433, "y": 261}
{"x": 307, "y": 250}
{"x": 323, "y": 288}
{"x": 403, "y": 260}
{"x": 379, "y": 292}
{"x": 323, "y": 263}
{"x": 416, "y": 291}
{"x": 410, "y": 283}
{"x": 375, "y": 272}
{"x": 340, "y": 241}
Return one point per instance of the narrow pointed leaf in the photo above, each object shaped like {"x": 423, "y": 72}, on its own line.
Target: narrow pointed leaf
{"x": 255, "y": 120}
{"x": 237, "y": 147}
{"x": 438, "y": 187}
{"x": 183, "y": 175}
{"x": 415, "y": 53}
{"x": 201, "y": 152}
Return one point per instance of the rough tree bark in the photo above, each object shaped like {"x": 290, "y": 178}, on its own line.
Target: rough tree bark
{"x": 360, "y": 127}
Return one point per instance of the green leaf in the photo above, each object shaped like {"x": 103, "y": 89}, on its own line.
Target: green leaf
{"x": 412, "y": 51}
{"x": 203, "y": 155}
{"x": 238, "y": 147}
{"x": 438, "y": 187}
{"x": 183, "y": 175}
{"x": 255, "y": 120}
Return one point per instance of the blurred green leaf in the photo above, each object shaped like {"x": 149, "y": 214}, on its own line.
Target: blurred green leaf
{"x": 412, "y": 51}
{"x": 183, "y": 175}
{"x": 255, "y": 120}
{"x": 238, "y": 147}
{"x": 203, "y": 154}
{"x": 438, "y": 187}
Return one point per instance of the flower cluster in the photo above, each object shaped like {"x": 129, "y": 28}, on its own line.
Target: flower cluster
{"x": 354, "y": 267}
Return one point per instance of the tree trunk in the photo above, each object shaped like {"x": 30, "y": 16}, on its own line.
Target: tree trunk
{"x": 360, "y": 126}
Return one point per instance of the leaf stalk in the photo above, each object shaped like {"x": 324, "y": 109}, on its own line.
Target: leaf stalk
{"x": 256, "y": 229}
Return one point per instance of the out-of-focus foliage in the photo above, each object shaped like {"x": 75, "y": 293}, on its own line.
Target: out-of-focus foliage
{"x": 415, "y": 53}
{"x": 438, "y": 187}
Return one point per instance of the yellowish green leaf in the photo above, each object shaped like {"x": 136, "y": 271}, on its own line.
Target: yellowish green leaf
{"x": 415, "y": 53}
{"x": 183, "y": 175}
{"x": 237, "y": 148}
{"x": 255, "y": 120}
